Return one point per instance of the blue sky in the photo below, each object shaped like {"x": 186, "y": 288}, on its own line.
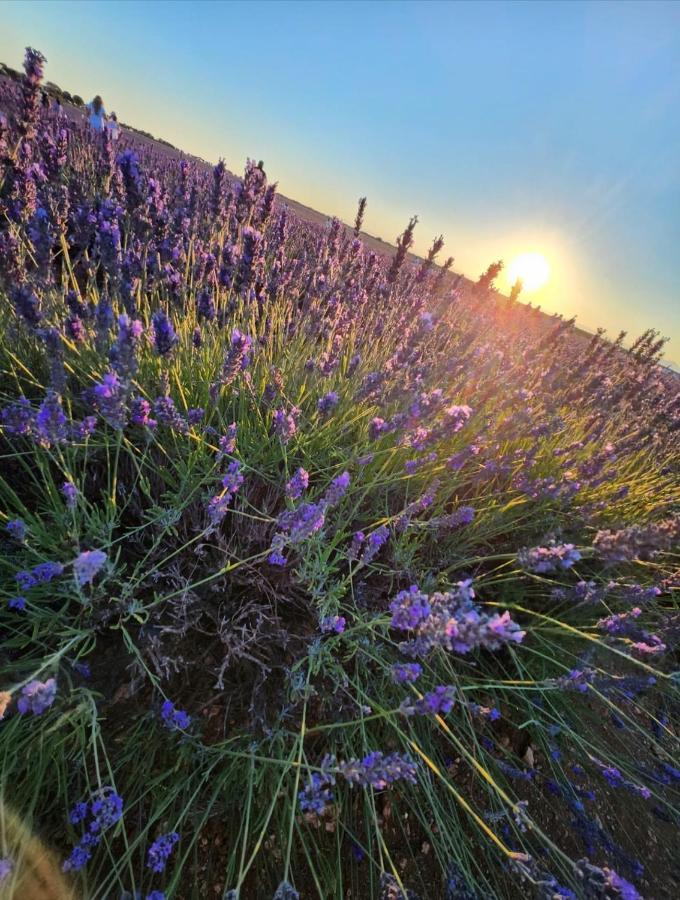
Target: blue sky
{"x": 508, "y": 127}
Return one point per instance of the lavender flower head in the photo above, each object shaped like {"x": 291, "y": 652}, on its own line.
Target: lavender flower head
{"x": 355, "y": 547}
{"x": 70, "y": 492}
{"x": 227, "y": 443}
{"x": 233, "y": 480}
{"x": 103, "y": 811}
{"x": 409, "y": 608}
{"x": 87, "y": 565}
{"x": 435, "y": 703}
{"x": 50, "y": 422}
{"x": 27, "y": 305}
{"x": 637, "y": 541}
{"x": 174, "y": 719}
{"x": 284, "y": 423}
{"x": 110, "y": 399}
{"x": 205, "y": 306}
{"x": 622, "y": 887}
{"x": 6, "y": 867}
{"x": 378, "y": 771}
{"x": 219, "y": 504}
{"x": 451, "y": 621}
{"x": 548, "y": 559}
{"x": 160, "y": 850}
{"x": 168, "y": 415}
{"x": 337, "y": 489}
{"x": 298, "y": 484}
{"x": 303, "y": 522}
{"x": 406, "y": 672}
{"x": 276, "y": 557}
{"x": 123, "y": 354}
{"x": 374, "y": 542}
{"x": 37, "y": 696}
{"x": 18, "y": 418}
{"x": 140, "y": 413}
{"x": 17, "y": 529}
{"x": 235, "y": 360}
{"x": 40, "y": 574}
{"x": 165, "y": 337}
{"x": 328, "y": 402}
{"x": 317, "y": 795}
{"x": 335, "y": 624}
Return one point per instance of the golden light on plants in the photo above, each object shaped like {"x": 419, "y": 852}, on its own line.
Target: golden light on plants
{"x": 532, "y": 269}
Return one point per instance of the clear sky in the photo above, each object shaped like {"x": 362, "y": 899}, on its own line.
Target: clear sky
{"x": 506, "y": 126}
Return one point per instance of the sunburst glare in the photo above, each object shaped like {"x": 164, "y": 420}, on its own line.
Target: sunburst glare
{"x": 532, "y": 269}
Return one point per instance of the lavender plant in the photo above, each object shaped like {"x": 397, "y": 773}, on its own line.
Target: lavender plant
{"x": 251, "y": 472}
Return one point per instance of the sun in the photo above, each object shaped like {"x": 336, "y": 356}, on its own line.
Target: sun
{"x": 532, "y": 269}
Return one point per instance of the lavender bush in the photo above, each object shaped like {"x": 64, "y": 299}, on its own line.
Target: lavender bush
{"x": 251, "y": 472}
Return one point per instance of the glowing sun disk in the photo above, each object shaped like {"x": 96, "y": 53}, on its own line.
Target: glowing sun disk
{"x": 533, "y": 270}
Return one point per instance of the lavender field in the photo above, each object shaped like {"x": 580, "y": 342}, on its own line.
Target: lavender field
{"x": 324, "y": 573}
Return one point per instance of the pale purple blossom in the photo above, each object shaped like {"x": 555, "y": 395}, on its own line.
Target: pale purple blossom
{"x": 70, "y": 492}
{"x": 87, "y": 565}
{"x": 37, "y": 696}
{"x": 298, "y": 484}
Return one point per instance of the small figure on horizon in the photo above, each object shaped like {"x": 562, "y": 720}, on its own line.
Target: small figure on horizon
{"x": 96, "y": 114}
{"x": 260, "y": 166}
{"x": 113, "y": 127}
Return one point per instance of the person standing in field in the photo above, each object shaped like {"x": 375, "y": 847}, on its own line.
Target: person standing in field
{"x": 113, "y": 127}
{"x": 96, "y": 114}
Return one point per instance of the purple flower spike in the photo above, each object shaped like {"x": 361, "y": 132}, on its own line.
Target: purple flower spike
{"x": 378, "y": 771}
{"x": 548, "y": 559}
{"x": 37, "y": 696}
{"x": 87, "y": 565}
{"x": 297, "y": 485}
{"x": 333, "y": 623}
{"x": 451, "y": 621}
{"x": 328, "y": 402}
{"x": 373, "y": 544}
{"x": 17, "y": 529}
{"x": 409, "y": 608}
{"x": 165, "y": 338}
{"x": 435, "y": 703}
{"x": 337, "y": 489}
{"x": 140, "y": 413}
{"x": 6, "y": 867}
{"x": 174, "y": 719}
{"x": 622, "y": 887}
{"x": 160, "y": 850}
{"x": 227, "y": 443}
{"x": 103, "y": 811}
{"x": 406, "y": 672}
{"x": 70, "y": 492}
{"x": 284, "y": 423}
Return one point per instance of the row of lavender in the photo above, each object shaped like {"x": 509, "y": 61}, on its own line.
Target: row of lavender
{"x": 270, "y": 454}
